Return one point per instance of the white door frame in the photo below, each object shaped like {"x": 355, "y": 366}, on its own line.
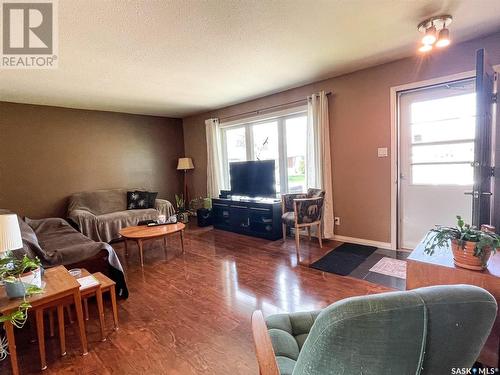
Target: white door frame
{"x": 395, "y": 137}
{"x": 395, "y": 149}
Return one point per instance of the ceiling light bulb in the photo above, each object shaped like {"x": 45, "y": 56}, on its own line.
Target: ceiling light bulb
{"x": 430, "y": 36}
{"x": 425, "y": 48}
{"x": 444, "y": 38}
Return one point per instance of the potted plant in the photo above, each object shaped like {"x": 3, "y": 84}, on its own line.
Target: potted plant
{"x": 471, "y": 247}
{"x": 22, "y": 278}
{"x": 180, "y": 203}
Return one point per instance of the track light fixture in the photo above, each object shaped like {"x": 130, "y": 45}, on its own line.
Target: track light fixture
{"x": 435, "y": 32}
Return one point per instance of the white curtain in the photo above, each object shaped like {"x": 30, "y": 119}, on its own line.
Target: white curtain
{"x": 214, "y": 158}
{"x": 318, "y": 160}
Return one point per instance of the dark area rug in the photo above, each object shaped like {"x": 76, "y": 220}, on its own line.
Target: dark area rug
{"x": 344, "y": 259}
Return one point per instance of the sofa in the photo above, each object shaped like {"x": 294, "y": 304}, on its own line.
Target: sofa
{"x": 55, "y": 242}
{"x": 101, "y": 214}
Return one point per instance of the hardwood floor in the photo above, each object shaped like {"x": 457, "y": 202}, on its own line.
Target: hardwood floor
{"x": 190, "y": 314}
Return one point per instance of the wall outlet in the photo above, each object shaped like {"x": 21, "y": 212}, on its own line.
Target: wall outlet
{"x": 337, "y": 220}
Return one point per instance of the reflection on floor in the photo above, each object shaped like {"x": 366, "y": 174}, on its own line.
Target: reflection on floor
{"x": 363, "y": 271}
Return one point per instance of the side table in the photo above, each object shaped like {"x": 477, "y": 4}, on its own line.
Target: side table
{"x": 59, "y": 286}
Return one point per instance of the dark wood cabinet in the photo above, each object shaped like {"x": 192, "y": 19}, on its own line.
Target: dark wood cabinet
{"x": 260, "y": 218}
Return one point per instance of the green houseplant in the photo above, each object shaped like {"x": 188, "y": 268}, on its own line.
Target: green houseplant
{"x": 13, "y": 272}
{"x": 180, "y": 203}
{"x": 471, "y": 247}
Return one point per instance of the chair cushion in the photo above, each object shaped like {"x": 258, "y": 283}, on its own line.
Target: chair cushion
{"x": 288, "y": 218}
{"x": 288, "y": 332}
{"x": 285, "y": 365}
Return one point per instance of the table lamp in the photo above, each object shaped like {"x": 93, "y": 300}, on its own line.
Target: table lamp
{"x": 10, "y": 234}
{"x": 184, "y": 164}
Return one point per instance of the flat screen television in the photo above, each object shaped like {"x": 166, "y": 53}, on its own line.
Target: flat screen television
{"x": 253, "y": 178}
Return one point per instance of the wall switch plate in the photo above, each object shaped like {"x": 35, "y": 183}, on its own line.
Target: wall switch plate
{"x": 382, "y": 152}
{"x": 337, "y": 220}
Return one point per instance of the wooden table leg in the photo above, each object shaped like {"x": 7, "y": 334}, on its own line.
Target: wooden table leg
{"x": 100, "y": 309}
{"x": 70, "y": 315}
{"x": 32, "y": 328}
{"x": 41, "y": 338}
{"x": 126, "y": 247}
{"x": 81, "y": 324}
{"x": 51, "y": 323}
{"x": 113, "y": 304}
{"x": 165, "y": 245}
{"x": 62, "y": 333}
{"x": 182, "y": 241}
{"x": 139, "y": 243}
{"x": 86, "y": 308}
{"x": 9, "y": 330}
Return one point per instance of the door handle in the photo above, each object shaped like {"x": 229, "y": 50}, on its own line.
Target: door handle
{"x": 476, "y": 194}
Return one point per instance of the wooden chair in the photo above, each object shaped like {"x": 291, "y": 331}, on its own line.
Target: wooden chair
{"x": 303, "y": 210}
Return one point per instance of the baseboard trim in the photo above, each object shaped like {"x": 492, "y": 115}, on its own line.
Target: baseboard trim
{"x": 361, "y": 241}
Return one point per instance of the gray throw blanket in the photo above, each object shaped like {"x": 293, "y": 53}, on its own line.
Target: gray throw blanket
{"x": 62, "y": 244}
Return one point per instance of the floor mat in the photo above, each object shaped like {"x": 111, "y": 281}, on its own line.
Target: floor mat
{"x": 344, "y": 259}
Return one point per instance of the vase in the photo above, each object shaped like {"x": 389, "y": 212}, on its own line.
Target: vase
{"x": 463, "y": 255}
{"x": 17, "y": 289}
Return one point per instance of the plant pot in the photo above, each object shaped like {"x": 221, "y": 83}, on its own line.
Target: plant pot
{"x": 464, "y": 257}
{"x": 17, "y": 289}
{"x": 183, "y": 217}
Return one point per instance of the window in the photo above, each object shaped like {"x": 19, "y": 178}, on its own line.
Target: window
{"x": 282, "y": 139}
{"x": 442, "y": 140}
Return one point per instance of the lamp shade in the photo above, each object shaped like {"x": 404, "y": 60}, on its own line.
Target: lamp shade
{"x": 10, "y": 234}
{"x": 185, "y": 163}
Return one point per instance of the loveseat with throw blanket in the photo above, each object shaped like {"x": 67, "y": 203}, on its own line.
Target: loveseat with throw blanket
{"x": 55, "y": 242}
{"x": 101, "y": 214}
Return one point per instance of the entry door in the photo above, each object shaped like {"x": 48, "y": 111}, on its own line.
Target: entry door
{"x": 437, "y": 131}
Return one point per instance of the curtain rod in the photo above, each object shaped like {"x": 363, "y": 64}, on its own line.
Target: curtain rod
{"x": 258, "y": 111}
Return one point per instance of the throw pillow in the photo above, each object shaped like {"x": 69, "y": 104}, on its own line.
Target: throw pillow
{"x": 152, "y": 199}
{"x": 137, "y": 200}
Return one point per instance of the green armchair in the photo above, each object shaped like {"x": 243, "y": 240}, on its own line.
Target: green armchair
{"x": 425, "y": 331}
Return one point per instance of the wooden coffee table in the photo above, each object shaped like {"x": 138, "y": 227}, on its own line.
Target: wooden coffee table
{"x": 143, "y": 232}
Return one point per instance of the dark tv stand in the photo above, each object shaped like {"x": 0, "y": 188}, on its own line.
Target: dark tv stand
{"x": 253, "y": 217}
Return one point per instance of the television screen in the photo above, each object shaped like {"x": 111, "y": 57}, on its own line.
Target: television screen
{"x": 253, "y": 178}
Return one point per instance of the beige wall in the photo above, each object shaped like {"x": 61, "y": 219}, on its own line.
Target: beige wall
{"x": 359, "y": 124}
{"x": 48, "y": 153}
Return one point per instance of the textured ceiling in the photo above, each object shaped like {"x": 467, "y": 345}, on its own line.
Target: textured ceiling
{"x": 175, "y": 58}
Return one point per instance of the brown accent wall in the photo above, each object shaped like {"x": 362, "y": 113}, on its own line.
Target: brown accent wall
{"x": 359, "y": 123}
{"x": 48, "y": 153}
